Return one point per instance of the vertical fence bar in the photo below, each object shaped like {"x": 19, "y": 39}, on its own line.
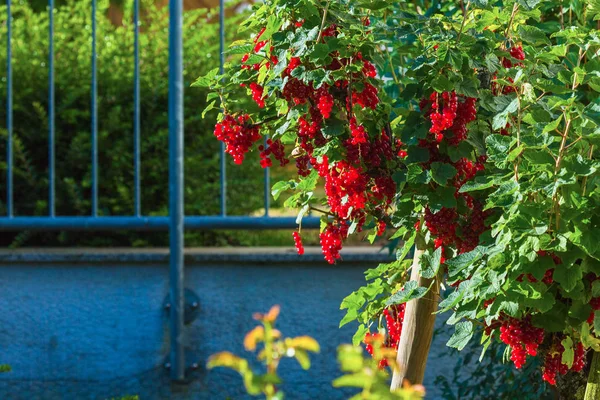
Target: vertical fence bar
{"x": 136, "y": 100}
{"x": 51, "y": 202}
{"x": 176, "y": 269}
{"x": 94, "y": 116}
{"x": 223, "y": 176}
{"x": 9, "y": 113}
{"x": 267, "y": 184}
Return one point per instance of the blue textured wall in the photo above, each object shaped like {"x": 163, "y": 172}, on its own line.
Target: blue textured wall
{"x": 99, "y": 331}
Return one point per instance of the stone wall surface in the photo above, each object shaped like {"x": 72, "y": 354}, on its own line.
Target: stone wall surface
{"x": 98, "y": 331}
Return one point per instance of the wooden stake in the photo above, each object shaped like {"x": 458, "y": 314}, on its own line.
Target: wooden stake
{"x": 592, "y": 390}
{"x": 417, "y": 329}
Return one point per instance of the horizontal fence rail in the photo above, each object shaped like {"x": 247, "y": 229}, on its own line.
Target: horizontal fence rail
{"x": 153, "y": 223}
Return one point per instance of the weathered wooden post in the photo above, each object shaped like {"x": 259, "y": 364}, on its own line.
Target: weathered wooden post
{"x": 417, "y": 329}
{"x": 592, "y": 390}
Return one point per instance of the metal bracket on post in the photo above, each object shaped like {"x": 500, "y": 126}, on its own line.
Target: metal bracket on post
{"x": 192, "y": 369}
{"x": 191, "y": 308}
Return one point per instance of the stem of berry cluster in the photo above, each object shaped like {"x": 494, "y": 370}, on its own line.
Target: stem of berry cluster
{"x": 417, "y": 328}
{"x": 592, "y": 389}
{"x": 323, "y": 21}
{"x": 462, "y": 26}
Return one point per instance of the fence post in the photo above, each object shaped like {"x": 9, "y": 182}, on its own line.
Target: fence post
{"x": 9, "y": 113}
{"x": 176, "y": 267}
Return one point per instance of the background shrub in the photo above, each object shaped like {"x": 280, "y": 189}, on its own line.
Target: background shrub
{"x": 115, "y": 123}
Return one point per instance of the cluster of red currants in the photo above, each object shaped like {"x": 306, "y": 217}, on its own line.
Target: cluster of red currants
{"x": 449, "y": 115}
{"x": 238, "y": 134}
{"x": 394, "y": 317}
{"x": 274, "y": 148}
{"x": 553, "y": 362}
{"x": 522, "y": 337}
{"x": 359, "y": 184}
{"x": 298, "y": 243}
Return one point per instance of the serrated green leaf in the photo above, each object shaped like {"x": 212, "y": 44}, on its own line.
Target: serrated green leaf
{"x": 359, "y": 335}
{"x": 281, "y": 187}
{"x": 410, "y": 291}
{"x": 462, "y": 335}
{"x": 442, "y": 172}
{"x": 430, "y": 263}
{"x": 206, "y": 80}
{"x": 501, "y": 119}
{"x": 568, "y": 277}
{"x": 533, "y": 35}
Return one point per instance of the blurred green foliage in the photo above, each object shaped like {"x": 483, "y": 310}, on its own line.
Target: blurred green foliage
{"x": 115, "y": 122}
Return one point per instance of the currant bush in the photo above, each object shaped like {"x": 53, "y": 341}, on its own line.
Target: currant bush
{"x": 470, "y": 133}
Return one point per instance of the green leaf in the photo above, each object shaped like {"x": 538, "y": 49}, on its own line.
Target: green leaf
{"x": 568, "y": 277}
{"x": 406, "y": 247}
{"x": 318, "y": 76}
{"x": 467, "y": 86}
{"x": 538, "y": 157}
{"x": 281, "y": 187}
{"x": 410, "y": 291}
{"x": 568, "y": 356}
{"x": 505, "y": 190}
{"x": 533, "y": 35}
{"x": 334, "y": 127}
{"x": 206, "y": 80}
{"x": 416, "y": 155}
{"x": 452, "y": 300}
{"x": 350, "y": 316}
{"x": 416, "y": 174}
{"x": 209, "y": 107}
{"x": 514, "y": 153}
{"x": 553, "y": 320}
{"x": 240, "y": 49}
{"x": 309, "y": 183}
{"x": 441, "y": 84}
{"x": 464, "y": 260}
{"x": 430, "y": 263}
{"x": 462, "y": 335}
{"x": 359, "y": 335}
{"x": 442, "y": 172}
{"x": 358, "y": 379}
{"x": 501, "y": 119}
{"x": 478, "y": 183}
{"x": 442, "y": 197}
{"x": 498, "y": 146}
{"x": 374, "y": 4}
{"x": 552, "y": 125}
{"x": 303, "y": 358}
{"x": 529, "y": 4}
{"x": 320, "y": 52}
{"x": 350, "y": 358}
{"x": 580, "y": 166}
{"x": 579, "y": 311}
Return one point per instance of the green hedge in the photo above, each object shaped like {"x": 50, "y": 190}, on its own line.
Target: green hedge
{"x": 115, "y": 122}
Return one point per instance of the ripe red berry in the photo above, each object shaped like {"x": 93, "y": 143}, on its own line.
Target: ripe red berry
{"x": 257, "y": 94}
{"x": 298, "y": 243}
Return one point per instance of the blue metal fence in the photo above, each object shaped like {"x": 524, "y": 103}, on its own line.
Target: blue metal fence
{"x": 176, "y": 222}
